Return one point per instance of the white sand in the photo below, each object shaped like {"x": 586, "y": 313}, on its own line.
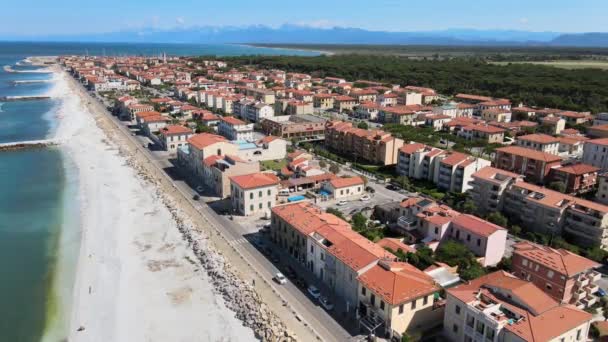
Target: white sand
{"x": 133, "y": 280}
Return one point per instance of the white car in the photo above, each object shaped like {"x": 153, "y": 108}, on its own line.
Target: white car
{"x": 314, "y": 292}
{"x": 365, "y": 198}
{"x": 280, "y": 278}
{"x": 326, "y": 303}
{"x": 341, "y": 203}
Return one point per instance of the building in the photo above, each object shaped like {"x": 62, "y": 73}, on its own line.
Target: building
{"x": 397, "y": 298}
{"x": 267, "y": 148}
{"x": 417, "y": 161}
{"x": 481, "y": 237}
{"x": 540, "y": 142}
{"x": 488, "y": 186}
{"x": 235, "y": 129}
{"x": 173, "y": 137}
{"x": 534, "y": 165}
{"x": 201, "y": 146}
{"x": 577, "y": 178}
{"x": 500, "y": 307}
{"x": 455, "y": 170}
{"x": 295, "y": 127}
{"x": 496, "y": 114}
{"x": 341, "y": 188}
{"x": 218, "y": 169}
{"x": 323, "y": 101}
{"x": 595, "y": 152}
{"x": 152, "y": 124}
{"x": 254, "y": 194}
{"x": 543, "y": 210}
{"x": 552, "y": 124}
{"x": 566, "y": 277}
{"x": 256, "y": 112}
{"x": 374, "y": 146}
{"x": 342, "y": 103}
{"x": 602, "y": 190}
{"x": 488, "y": 134}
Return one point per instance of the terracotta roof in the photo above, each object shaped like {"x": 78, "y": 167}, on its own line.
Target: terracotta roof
{"x": 397, "y": 282}
{"x": 476, "y": 225}
{"x": 485, "y": 129}
{"x": 455, "y": 158}
{"x": 602, "y": 141}
{"x": 395, "y": 245}
{"x": 175, "y": 129}
{"x": 346, "y": 182}
{"x": 412, "y": 148}
{"x": 203, "y": 140}
{"x": 306, "y": 218}
{"x": 559, "y": 260}
{"x": 578, "y": 169}
{"x": 232, "y": 120}
{"x": 539, "y": 138}
{"x": 529, "y": 153}
{"x": 489, "y": 173}
{"x": 255, "y": 180}
{"x": 154, "y": 118}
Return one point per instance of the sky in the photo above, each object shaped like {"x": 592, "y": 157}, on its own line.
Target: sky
{"x": 48, "y": 17}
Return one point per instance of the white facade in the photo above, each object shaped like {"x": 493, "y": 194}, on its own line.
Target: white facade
{"x": 256, "y": 201}
{"x": 595, "y": 152}
{"x": 231, "y": 131}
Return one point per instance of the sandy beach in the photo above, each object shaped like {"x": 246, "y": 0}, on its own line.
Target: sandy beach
{"x": 136, "y": 279}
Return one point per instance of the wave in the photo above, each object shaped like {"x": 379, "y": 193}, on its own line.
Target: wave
{"x": 8, "y": 68}
{"x": 31, "y": 81}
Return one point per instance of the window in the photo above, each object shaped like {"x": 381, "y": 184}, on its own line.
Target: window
{"x": 478, "y": 242}
{"x": 322, "y": 256}
{"x": 363, "y": 291}
{"x": 260, "y": 205}
{"x": 480, "y": 327}
{"x": 455, "y": 328}
{"x": 268, "y": 192}
{"x": 490, "y": 334}
{"x": 413, "y": 304}
{"x": 524, "y": 262}
{"x": 578, "y": 335}
{"x": 260, "y": 194}
{"x": 436, "y": 230}
{"x": 382, "y": 304}
{"x": 550, "y": 274}
{"x": 549, "y": 287}
{"x": 425, "y": 300}
{"x": 470, "y": 321}
{"x": 373, "y": 299}
{"x": 312, "y": 249}
{"x": 468, "y": 237}
{"x": 457, "y": 309}
{"x": 400, "y": 309}
{"x": 251, "y": 195}
{"x": 269, "y": 205}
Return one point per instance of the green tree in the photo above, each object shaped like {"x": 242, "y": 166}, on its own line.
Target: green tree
{"x": 558, "y": 186}
{"x": 335, "y": 212}
{"x": 422, "y": 258}
{"x": 334, "y": 168}
{"x": 515, "y": 230}
{"x": 498, "y": 219}
{"x": 469, "y": 207}
{"x": 359, "y": 222}
{"x": 363, "y": 125}
{"x": 505, "y": 264}
{"x": 473, "y": 271}
{"x": 403, "y": 181}
{"x": 322, "y": 164}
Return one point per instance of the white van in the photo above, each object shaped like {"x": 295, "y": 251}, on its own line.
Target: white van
{"x": 284, "y": 192}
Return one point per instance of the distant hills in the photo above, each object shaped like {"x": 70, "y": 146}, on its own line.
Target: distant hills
{"x": 296, "y": 34}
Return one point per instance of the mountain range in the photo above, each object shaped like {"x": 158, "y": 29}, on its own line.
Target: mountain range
{"x": 297, "y": 34}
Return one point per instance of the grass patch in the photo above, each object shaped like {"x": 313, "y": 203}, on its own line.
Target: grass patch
{"x": 274, "y": 165}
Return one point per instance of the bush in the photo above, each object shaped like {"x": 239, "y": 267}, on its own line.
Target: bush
{"x": 498, "y": 219}
{"x": 359, "y": 222}
{"x": 335, "y": 212}
{"x": 334, "y": 168}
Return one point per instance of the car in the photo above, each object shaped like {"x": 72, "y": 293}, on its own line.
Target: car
{"x": 280, "y": 278}
{"x": 370, "y": 189}
{"x": 267, "y": 225}
{"x": 314, "y": 291}
{"x": 601, "y": 292}
{"x": 326, "y": 303}
{"x": 199, "y": 189}
{"x": 341, "y": 203}
{"x": 365, "y": 198}
{"x": 391, "y": 187}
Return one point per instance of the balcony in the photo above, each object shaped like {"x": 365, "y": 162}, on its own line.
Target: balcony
{"x": 578, "y": 295}
{"x": 582, "y": 281}
{"x": 588, "y": 301}
{"x": 407, "y": 223}
{"x": 591, "y": 288}
{"x": 594, "y": 276}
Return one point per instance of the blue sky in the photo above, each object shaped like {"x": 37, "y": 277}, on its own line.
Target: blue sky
{"x": 35, "y": 17}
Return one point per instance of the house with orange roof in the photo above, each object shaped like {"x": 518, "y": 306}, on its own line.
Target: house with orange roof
{"x": 173, "y": 137}
{"x": 396, "y": 298}
{"x": 565, "y": 276}
{"x": 488, "y": 186}
{"x": 483, "y": 238}
{"x": 323, "y": 101}
{"x": 552, "y": 124}
{"x": 345, "y": 187}
{"x": 343, "y": 102}
{"x": 254, "y": 193}
{"x": 496, "y": 114}
{"x": 534, "y": 165}
{"x": 151, "y": 124}
{"x": 235, "y": 129}
{"x": 501, "y": 307}
{"x": 540, "y": 142}
{"x": 484, "y": 132}
{"x": 455, "y": 169}
{"x": 417, "y": 160}
{"x": 217, "y": 170}
{"x": 577, "y": 178}
{"x": 203, "y": 145}
{"x": 595, "y": 152}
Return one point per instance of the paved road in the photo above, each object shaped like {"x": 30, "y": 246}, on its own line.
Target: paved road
{"x": 240, "y": 238}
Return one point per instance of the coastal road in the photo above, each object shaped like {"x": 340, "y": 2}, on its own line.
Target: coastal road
{"x": 306, "y": 309}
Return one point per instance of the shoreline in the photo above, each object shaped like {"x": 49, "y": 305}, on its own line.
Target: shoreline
{"x": 320, "y": 52}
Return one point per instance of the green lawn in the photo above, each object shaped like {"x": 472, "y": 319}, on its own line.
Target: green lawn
{"x": 274, "y": 165}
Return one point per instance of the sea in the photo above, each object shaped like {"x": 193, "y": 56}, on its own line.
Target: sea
{"x": 39, "y": 205}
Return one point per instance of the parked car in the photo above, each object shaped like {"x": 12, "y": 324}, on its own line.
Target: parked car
{"x": 370, "y": 189}
{"x": 326, "y": 303}
{"x": 341, "y": 203}
{"x": 314, "y": 292}
{"x": 601, "y": 292}
{"x": 365, "y": 198}
{"x": 391, "y": 187}
{"x": 280, "y": 278}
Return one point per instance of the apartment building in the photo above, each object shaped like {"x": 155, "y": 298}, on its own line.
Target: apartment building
{"x": 152, "y": 124}
{"x": 496, "y": 114}
{"x": 295, "y": 126}
{"x": 481, "y": 237}
{"x": 488, "y": 186}
{"x": 323, "y": 101}
{"x": 218, "y": 169}
{"x": 595, "y": 152}
{"x": 416, "y": 161}
{"x": 534, "y": 165}
{"x": 342, "y": 103}
{"x": 488, "y": 134}
{"x": 367, "y": 111}
{"x": 455, "y": 170}
{"x": 256, "y": 112}
{"x": 173, "y": 137}
{"x": 565, "y": 276}
{"x": 602, "y": 190}
{"x": 235, "y": 129}
{"x": 398, "y": 298}
{"x": 201, "y": 146}
{"x": 348, "y": 187}
{"x": 267, "y": 148}
{"x": 577, "y": 178}
{"x": 374, "y": 146}
{"x": 551, "y": 212}
{"x": 540, "y": 142}
{"x": 500, "y": 307}
{"x": 254, "y": 193}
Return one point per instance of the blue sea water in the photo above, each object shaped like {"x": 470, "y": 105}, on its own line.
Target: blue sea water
{"x": 39, "y": 187}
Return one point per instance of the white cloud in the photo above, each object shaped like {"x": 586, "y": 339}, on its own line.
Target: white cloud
{"x": 180, "y": 20}
{"x": 524, "y": 21}
{"x": 319, "y": 23}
